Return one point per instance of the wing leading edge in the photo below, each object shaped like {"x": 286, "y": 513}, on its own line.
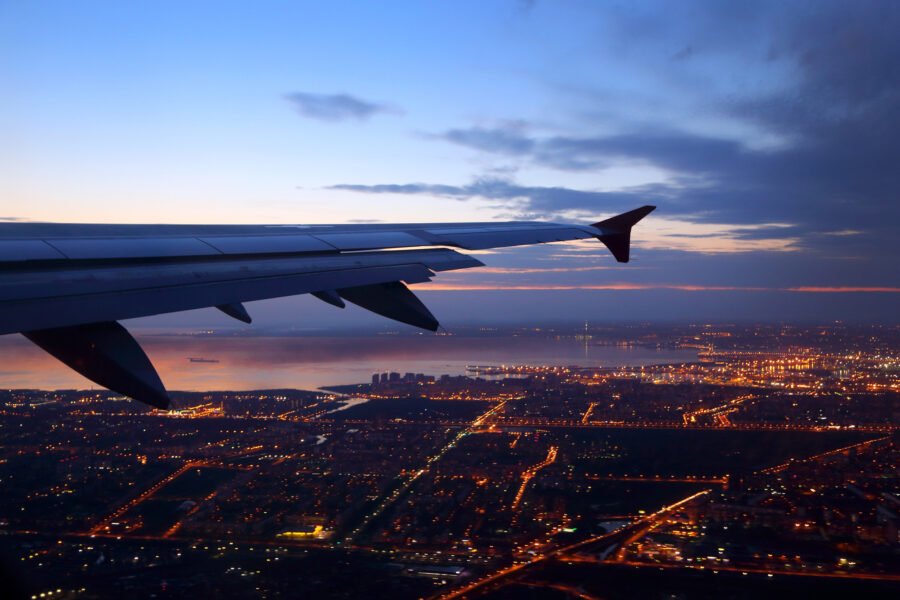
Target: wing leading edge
{"x": 65, "y": 286}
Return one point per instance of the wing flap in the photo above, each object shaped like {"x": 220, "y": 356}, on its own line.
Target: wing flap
{"x": 40, "y": 299}
{"x": 62, "y": 311}
{"x": 92, "y": 278}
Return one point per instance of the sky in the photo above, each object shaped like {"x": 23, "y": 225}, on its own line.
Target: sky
{"x": 765, "y": 132}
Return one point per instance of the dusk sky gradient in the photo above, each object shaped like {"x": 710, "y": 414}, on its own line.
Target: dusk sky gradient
{"x": 766, "y": 133}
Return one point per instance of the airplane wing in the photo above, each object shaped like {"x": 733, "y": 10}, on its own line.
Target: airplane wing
{"x": 66, "y": 286}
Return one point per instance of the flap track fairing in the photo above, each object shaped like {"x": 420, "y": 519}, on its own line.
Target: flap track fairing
{"x": 236, "y": 310}
{"x": 392, "y": 300}
{"x": 331, "y": 297}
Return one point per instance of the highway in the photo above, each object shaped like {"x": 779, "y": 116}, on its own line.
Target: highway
{"x": 409, "y": 481}
{"x": 531, "y": 472}
{"x": 512, "y": 572}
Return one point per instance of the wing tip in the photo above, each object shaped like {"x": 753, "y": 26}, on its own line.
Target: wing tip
{"x": 625, "y": 221}
{"x": 616, "y": 231}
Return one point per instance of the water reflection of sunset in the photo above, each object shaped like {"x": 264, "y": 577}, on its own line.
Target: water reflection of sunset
{"x": 310, "y": 362}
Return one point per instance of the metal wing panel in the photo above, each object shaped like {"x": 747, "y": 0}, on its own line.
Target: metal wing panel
{"x": 515, "y": 237}
{"x": 20, "y": 250}
{"x": 117, "y": 248}
{"x": 370, "y": 241}
{"x": 190, "y": 241}
{"x": 132, "y": 247}
{"x": 498, "y": 228}
{"x": 267, "y": 244}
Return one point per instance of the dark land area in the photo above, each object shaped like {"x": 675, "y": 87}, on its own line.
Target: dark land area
{"x": 749, "y": 472}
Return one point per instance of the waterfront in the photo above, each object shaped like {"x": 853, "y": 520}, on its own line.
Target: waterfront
{"x": 312, "y": 362}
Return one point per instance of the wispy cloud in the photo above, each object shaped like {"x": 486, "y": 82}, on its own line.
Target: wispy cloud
{"x": 529, "y": 201}
{"x": 527, "y": 270}
{"x": 840, "y": 289}
{"x": 336, "y": 107}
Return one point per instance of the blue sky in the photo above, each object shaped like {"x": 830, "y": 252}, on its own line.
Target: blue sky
{"x": 766, "y": 133}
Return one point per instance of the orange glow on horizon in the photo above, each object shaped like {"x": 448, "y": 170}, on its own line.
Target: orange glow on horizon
{"x": 646, "y": 286}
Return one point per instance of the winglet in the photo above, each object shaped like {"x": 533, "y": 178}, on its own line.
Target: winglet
{"x": 617, "y": 231}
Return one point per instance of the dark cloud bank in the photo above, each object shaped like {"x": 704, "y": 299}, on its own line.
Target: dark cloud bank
{"x": 837, "y": 173}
